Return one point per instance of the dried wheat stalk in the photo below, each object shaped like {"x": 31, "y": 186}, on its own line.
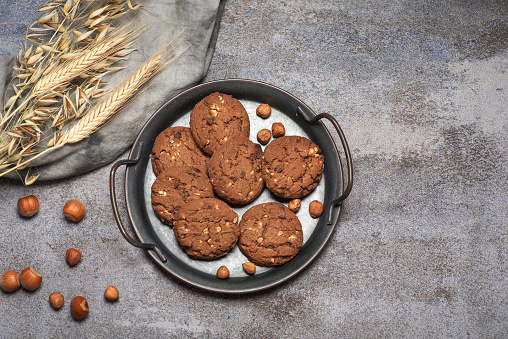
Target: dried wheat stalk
{"x": 70, "y": 48}
{"x": 109, "y": 106}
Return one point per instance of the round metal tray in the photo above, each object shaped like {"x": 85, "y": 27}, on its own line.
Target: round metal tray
{"x": 158, "y": 239}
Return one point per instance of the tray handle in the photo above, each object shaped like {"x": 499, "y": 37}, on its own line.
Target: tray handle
{"x": 129, "y": 162}
{"x": 349, "y": 160}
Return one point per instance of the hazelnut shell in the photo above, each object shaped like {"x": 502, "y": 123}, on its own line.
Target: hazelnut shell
{"x": 9, "y": 281}
{"x": 28, "y": 206}
{"x": 315, "y": 209}
{"x": 74, "y": 210}
{"x": 56, "y": 300}
{"x": 264, "y": 111}
{"x": 222, "y": 272}
{"x": 249, "y": 267}
{"x": 111, "y": 293}
{"x": 72, "y": 256}
{"x": 30, "y": 279}
{"x": 79, "y": 307}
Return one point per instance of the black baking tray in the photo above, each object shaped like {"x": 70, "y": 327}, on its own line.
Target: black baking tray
{"x": 156, "y": 238}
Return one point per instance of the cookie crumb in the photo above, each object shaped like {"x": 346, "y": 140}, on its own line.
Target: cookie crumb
{"x": 294, "y": 205}
{"x": 278, "y": 130}
{"x": 315, "y": 208}
{"x": 264, "y": 136}
{"x": 264, "y": 111}
{"x": 222, "y": 272}
{"x": 249, "y": 267}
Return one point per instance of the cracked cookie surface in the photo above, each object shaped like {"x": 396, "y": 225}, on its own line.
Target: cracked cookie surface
{"x": 177, "y": 186}
{"x": 175, "y": 146}
{"x": 217, "y": 119}
{"x": 235, "y": 171}
{"x": 270, "y": 234}
{"x": 206, "y": 228}
{"x": 292, "y": 166}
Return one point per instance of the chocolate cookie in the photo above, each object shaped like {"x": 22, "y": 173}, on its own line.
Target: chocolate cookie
{"x": 270, "y": 234}
{"x": 292, "y": 166}
{"x": 206, "y": 228}
{"x": 175, "y": 146}
{"x": 235, "y": 171}
{"x": 177, "y": 186}
{"x": 217, "y": 119}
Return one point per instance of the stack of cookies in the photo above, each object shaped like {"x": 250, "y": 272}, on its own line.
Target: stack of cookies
{"x": 202, "y": 172}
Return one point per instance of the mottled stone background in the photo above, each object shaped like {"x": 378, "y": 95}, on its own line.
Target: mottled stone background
{"x": 420, "y": 89}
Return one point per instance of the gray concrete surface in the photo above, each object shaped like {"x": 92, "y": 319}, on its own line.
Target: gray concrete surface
{"x": 421, "y": 91}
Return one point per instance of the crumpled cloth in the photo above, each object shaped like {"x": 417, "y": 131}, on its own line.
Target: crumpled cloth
{"x": 198, "y": 23}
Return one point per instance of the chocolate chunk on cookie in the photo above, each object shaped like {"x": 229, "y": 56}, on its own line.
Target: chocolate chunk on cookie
{"x": 292, "y": 166}
{"x": 176, "y": 187}
{"x": 217, "y": 119}
{"x": 175, "y": 146}
{"x": 206, "y": 228}
{"x": 270, "y": 234}
{"x": 235, "y": 171}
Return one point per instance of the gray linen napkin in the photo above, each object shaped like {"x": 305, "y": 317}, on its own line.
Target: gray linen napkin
{"x": 198, "y": 22}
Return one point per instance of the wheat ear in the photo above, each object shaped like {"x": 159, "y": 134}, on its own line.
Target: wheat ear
{"x": 103, "y": 112}
{"x": 71, "y": 70}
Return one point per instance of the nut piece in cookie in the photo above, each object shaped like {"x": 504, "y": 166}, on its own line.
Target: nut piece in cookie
{"x": 177, "y": 186}
{"x": 292, "y": 166}
{"x": 278, "y": 130}
{"x": 175, "y": 146}
{"x": 206, "y": 228}
{"x": 270, "y": 234}
{"x": 235, "y": 171}
{"x": 264, "y": 136}
{"x": 264, "y": 111}
{"x": 217, "y": 119}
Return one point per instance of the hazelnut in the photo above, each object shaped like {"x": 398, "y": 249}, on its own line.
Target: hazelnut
{"x": 264, "y": 111}
{"x": 30, "y": 279}
{"x": 72, "y": 256}
{"x": 278, "y": 130}
{"x": 222, "y": 272}
{"x": 264, "y": 136}
{"x": 111, "y": 293}
{"x": 294, "y": 205}
{"x": 74, "y": 210}
{"x": 9, "y": 281}
{"x": 79, "y": 307}
{"x": 56, "y": 300}
{"x": 28, "y": 206}
{"x": 249, "y": 267}
{"x": 315, "y": 208}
